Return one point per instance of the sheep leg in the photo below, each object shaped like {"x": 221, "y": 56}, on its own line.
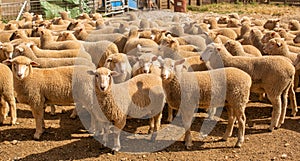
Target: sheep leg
{"x": 157, "y": 124}
{"x": 240, "y": 115}
{"x": 284, "y": 104}
{"x": 211, "y": 113}
{"x": 170, "y": 114}
{"x": 293, "y": 102}
{"x": 38, "y": 115}
{"x": 276, "y": 102}
{"x": 261, "y": 97}
{"x": 52, "y": 111}
{"x": 230, "y": 125}
{"x": 74, "y": 114}
{"x": 151, "y": 122}
{"x": 117, "y": 144}
{"x": 4, "y": 111}
{"x": 187, "y": 117}
{"x": 13, "y": 111}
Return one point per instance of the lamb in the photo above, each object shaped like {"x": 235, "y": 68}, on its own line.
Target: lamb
{"x": 146, "y": 63}
{"x": 119, "y": 62}
{"x": 262, "y": 70}
{"x": 133, "y": 40}
{"x": 140, "y": 96}
{"x": 237, "y": 49}
{"x": 255, "y": 38}
{"x": 40, "y": 53}
{"x": 6, "y": 50}
{"x": 207, "y": 86}
{"x": 100, "y": 51}
{"x": 273, "y": 34}
{"x": 65, "y": 15}
{"x": 117, "y": 38}
{"x": 19, "y": 36}
{"x": 40, "y": 86}
{"x": 294, "y": 25}
{"x": 7, "y": 95}
{"x": 271, "y": 24}
{"x": 222, "y": 31}
{"x": 25, "y": 50}
{"x": 171, "y": 49}
{"x": 47, "y": 42}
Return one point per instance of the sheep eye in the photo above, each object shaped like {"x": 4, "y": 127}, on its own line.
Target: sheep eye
{"x": 96, "y": 76}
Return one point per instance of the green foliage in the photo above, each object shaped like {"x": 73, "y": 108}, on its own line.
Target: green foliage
{"x": 53, "y": 8}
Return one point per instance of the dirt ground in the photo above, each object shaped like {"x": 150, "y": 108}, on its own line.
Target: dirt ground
{"x": 67, "y": 139}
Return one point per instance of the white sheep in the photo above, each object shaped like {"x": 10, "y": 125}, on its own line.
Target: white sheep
{"x": 263, "y": 71}
{"x": 7, "y": 95}
{"x": 40, "y": 86}
{"x": 235, "y": 48}
{"x": 25, "y": 50}
{"x": 119, "y": 62}
{"x": 208, "y": 89}
{"x": 138, "y": 97}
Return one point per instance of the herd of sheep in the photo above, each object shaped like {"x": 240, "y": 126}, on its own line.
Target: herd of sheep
{"x": 130, "y": 66}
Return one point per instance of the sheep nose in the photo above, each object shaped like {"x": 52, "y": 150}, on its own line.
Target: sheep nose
{"x": 146, "y": 71}
{"x": 201, "y": 58}
{"x": 19, "y": 74}
{"x": 102, "y": 88}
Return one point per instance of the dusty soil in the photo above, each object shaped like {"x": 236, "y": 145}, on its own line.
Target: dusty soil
{"x": 67, "y": 139}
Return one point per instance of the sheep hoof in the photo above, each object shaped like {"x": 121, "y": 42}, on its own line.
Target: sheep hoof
{"x": 14, "y": 123}
{"x": 114, "y": 152}
{"x": 153, "y": 137}
{"x": 223, "y": 140}
{"x": 270, "y": 129}
{"x": 237, "y": 145}
{"x": 276, "y": 128}
{"x": 188, "y": 147}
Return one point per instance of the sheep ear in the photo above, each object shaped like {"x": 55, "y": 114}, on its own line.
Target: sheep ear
{"x": 7, "y": 62}
{"x": 109, "y": 60}
{"x": 154, "y": 58}
{"x": 160, "y": 59}
{"x": 114, "y": 73}
{"x": 139, "y": 47}
{"x": 91, "y": 72}
{"x": 34, "y": 64}
{"x": 178, "y": 62}
{"x": 273, "y": 33}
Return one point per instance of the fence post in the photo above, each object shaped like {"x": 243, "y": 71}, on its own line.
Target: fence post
{"x": 80, "y": 6}
{"x": 21, "y": 11}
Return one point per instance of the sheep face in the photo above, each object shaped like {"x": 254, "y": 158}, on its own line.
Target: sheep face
{"x": 294, "y": 25}
{"x": 170, "y": 42}
{"x": 297, "y": 38}
{"x": 268, "y": 36}
{"x": 273, "y": 44}
{"x": 168, "y": 67}
{"x": 21, "y": 66}
{"x": 211, "y": 56}
{"x": 117, "y": 62}
{"x": 7, "y": 49}
{"x": 103, "y": 78}
{"x": 146, "y": 61}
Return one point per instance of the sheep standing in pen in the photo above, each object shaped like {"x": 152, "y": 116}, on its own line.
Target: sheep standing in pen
{"x": 262, "y": 70}
{"x": 7, "y": 95}
{"x": 235, "y": 48}
{"x": 38, "y": 87}
{"x": 119, "y": 62}
{"x": 140, "y": 96}
{"x": 189, "y": 90}
{"x": 25, "y": 50}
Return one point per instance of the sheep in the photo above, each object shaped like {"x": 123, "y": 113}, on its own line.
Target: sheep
{"x": 272, "y": 34}
{"x": 117, "y": 38}
{"x": 5, "y": 36}
{"x": 244, "y": 37}
{"x": 40, "y": 86}
{"x": 25, "y": 50}
{"x": 237, "y": 49}
{"x": 40, "y": 53}
{"x": 119, "y": 62}
{"x": 222, "y": 31}
{"x": 6, "y": 50}
{"x": 7, "y": 95}
{"x": 65, "y": 15}
{"x": 100, "y": 51}
{"x": 271, "y": 24}
{"x": 146, "y": 63}
{"x": 140, "y": 96}
{"x": 262, "y": 70}
{"x": 206, "y": 85}
{"x": 294, "y": 25}
{"x": 19, "y": 36}
{"x": 133, "y": 40}
{"x": 170, "y": 48}
{"x": 47, "y": 42}
{"x": 255, "y": 38}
